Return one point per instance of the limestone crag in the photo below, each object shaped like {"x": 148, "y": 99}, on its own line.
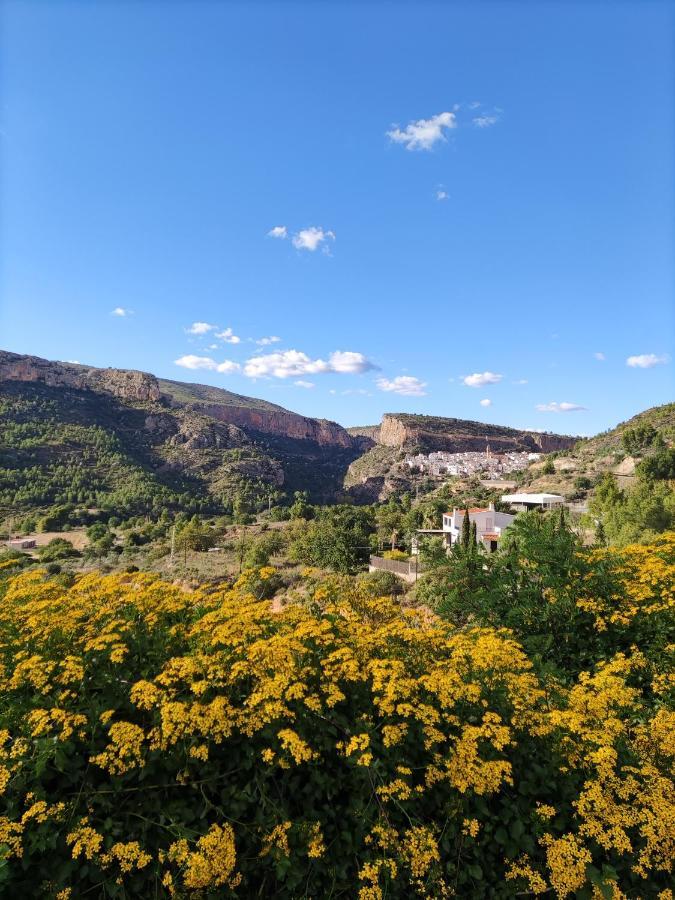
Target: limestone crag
{"x": 283, "y": 423}
{"x": 430, "y": 433}
{"x": 123, "y": 383}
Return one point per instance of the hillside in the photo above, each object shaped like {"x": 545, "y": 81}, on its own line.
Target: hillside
{"x": 73, "y": 434}
{"x": 381, "y": 471}
{"x": 87, "y": 436}
{"x": 611, "y": 451}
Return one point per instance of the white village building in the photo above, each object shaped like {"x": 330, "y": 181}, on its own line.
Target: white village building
{"x": 490, "y": 525}
{"x": 523, "y": 502}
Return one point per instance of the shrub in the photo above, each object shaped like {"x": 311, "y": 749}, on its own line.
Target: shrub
{"x": 548, "y": 468}
{"x": 381, "y": 584}
{"x": 162, "y": 742}
{"x": 397, "y": 555}
{"x": 57, "y": 548}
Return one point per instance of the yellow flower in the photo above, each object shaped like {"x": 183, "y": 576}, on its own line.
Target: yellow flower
{"x": 212, "y": 864}
{"x": 85, "y": 842}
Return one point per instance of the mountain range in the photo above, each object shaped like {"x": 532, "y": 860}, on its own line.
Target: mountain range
{"x": 74, "y": 433}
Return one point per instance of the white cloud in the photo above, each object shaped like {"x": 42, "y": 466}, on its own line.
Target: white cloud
{"x": 559, "y": 407}
{"x": 486, "y": 402}
{"x": 520, "y": 381}
{"x": 442, "y": 195}
{"x": 303, "y": 384}
{"x": 600, "y": 356}
{"x": 190, "y": 361}
{"x": 646, "y": 361}
{"x": 200, "y": 328}
{"x": 73, "y": 362}
{"x": 485, "y": 121}
{"x": 311, "y": 238}
{"x": 403, "y": 384}
{"x": 294, "y": 363}
{"x": 424, "y": 133}
{"x": 347, "y": 361}
{"x": 121, "y": 312}
{"x": 227, "y": 336}
{"x": 266, "y": 341}
{"x": 279, "y": 231}
{"x": 228, "y": 367}
{"x": 478, "y": 379}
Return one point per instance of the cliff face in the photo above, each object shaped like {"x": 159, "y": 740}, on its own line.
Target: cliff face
{"x": 140, "y": 387}
{"x": 122, "y": 383}
{"x": 429, "y": 433}
{"x": 281, "y": 423}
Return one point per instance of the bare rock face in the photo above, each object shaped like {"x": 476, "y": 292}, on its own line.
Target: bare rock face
{"x": 205, "y": 435}
{"x": 393, "y": 433}
{"x": 550, "y": 443}
{"x": 428, "y": 433}
{"x": 123, "y": 383}
{"x": 286, "y": 424}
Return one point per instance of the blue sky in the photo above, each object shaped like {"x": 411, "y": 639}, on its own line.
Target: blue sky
{"x": 456, "y": 209}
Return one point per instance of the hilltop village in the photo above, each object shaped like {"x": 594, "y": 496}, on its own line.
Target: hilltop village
{"x": 490, "y": 465}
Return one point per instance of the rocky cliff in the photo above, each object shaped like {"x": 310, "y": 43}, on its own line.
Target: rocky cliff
{"x": 123, "y": 383}
{"x": 281, "y": 422}
{"x": 428, "y": 433}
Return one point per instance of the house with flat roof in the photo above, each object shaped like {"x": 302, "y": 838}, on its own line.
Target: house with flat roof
{"x": 522, "y": 502}
{"x": 490, "y": 525}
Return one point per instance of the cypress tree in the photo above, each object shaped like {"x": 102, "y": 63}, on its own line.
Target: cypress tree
{"x": 474, "y": 536}
{"x": 466, "y": 530}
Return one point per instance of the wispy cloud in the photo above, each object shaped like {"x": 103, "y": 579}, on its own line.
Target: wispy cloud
{"x": 442, "y": 194}
{"x": 485, "y": 121}
{"x": 478, "y": 379}
{"x": 311, "y": 238}
{"x": 279, "y": 231}
{"x": 190, "y": 361}
{"x": 486, "y": 402}
{"x": 200, "y": 328}
{"x": 266, "y": 341}
{"x": 599, "y": 356}
{"x": 647, "y": 360}
{"x": 121, "y": 312}
{"x": 295, "y": 363}
{"x": 406, "y": 385}
{"x": 554, "y": 407}
{"x": 304, "y": 384}
{"x": 520, "y": 381}
{"x": 228, "y": 337}
{"x": 423, "y": 133}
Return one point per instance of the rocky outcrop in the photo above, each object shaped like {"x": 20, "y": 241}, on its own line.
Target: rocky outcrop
{"x": 429, "y": 433}
{"x": 281, "y": 423}
{"x": 205, "y": 435}
{"x": 126, "y": 384}
{"x": 550, "y": 443}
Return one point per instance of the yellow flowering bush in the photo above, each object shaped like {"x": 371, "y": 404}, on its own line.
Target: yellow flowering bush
{"x": 159, "y": 742}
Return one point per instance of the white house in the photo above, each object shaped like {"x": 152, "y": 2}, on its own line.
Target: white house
{"x": 523, "y": 502}
{"x": 490, "y": 525}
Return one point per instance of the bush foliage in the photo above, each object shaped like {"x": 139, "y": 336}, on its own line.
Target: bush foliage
{"x": 159, "y": 742}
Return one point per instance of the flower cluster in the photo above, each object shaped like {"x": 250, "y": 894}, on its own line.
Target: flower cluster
{"x": 191, "y": 743}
